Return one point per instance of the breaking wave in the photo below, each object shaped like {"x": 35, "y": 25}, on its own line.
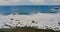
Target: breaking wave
{"x": 39, "y": 20}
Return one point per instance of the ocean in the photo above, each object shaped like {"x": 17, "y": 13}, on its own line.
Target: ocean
{"x": 28, "y": 9}
{"x": 44, "y": 16}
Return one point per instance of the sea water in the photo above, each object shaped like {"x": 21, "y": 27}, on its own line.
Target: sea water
{"x": 27, "y": 9}
{"x": 45, "y": 16}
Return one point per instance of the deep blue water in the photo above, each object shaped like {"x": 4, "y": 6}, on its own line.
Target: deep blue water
{"x": 27, "y": 9}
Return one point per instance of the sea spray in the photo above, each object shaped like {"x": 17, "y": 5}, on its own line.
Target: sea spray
{"x": 41, "y": 20}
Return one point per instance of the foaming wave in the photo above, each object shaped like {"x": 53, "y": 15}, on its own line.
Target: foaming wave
{"x": 39, "y": 20}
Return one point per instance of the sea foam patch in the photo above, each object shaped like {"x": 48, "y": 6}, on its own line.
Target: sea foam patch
{"x": 39, "y": 20}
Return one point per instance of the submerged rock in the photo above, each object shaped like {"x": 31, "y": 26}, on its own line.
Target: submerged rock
{"x": 58, "y": 23}
{"x": 11, "y": 19}
{"x": 14, "y": 14}
{"x": 33, "y": 21}
{"x": 17, "y": 20}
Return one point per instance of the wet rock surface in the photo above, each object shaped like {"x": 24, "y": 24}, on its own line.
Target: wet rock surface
{"x": 11, "y": 19}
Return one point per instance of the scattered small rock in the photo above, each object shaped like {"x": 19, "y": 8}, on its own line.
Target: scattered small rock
{"x": 16, "y": 24}
{"x": 59, "y": 23}
{"x": 56, "y": 28}
{"x": 10, "y": 22}
{"x": 33, "y": 21}
{"x": 17, "y": 20}
{"x": 56, "y": 8}
{"x": 35, "y": 27}
{"x": 11, "y": 19}
{"x": 14, "y": 14}
{"x": 21, "y": 24}
{"x": 13, "y": 24}
{"x": 46, "y": 26}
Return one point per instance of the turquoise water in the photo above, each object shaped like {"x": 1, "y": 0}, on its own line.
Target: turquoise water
{"x": 27, "y": 9}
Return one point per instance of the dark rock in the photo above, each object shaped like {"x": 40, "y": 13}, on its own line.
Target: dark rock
{"x": 17, "y": 20}
{"x": 46, "y": 26}
{"x": 10, "y": 22}
{"x": 14, "y": 14}
{"x": 11, "y": 19}
{"x": 57, "y": 8}
{"x": 33, "y": 21}
{"x": 7, "y": 25}
{"x": 56, "y": 28}
{"x": 13, "y": 24}
{"x": 58, "y": 23}
{"x": 16, "y": 24}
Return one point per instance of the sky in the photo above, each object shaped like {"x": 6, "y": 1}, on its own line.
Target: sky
{"x": 29, "y": 2}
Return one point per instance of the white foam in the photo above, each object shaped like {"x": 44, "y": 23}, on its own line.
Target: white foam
{"x": 43, "y": 20}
